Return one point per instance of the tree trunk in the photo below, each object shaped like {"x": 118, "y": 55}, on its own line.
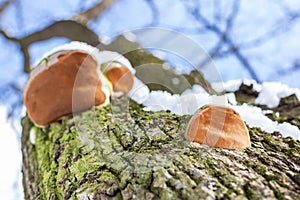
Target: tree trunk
{"x": 123, "y": 152}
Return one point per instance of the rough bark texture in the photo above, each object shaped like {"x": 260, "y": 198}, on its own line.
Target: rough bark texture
{"x": 123, "y": 152}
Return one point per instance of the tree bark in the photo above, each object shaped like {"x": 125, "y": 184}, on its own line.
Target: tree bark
{"x": 123, "y": 152}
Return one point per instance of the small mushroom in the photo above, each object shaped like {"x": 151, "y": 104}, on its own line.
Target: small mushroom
{"x": 66, "y": 82}
{"x": 219, "y": 127}
{"x": 119, "y": 76}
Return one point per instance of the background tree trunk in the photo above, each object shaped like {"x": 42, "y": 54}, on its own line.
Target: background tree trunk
{"x": 123, "y": 152}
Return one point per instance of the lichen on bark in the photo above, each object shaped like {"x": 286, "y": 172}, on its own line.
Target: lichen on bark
{"x": 123, "y": 152}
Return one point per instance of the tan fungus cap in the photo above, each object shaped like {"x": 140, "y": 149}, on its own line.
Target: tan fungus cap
{"x": 120, "y": 77}
{"x": 219, "y": 127}
{"x": 65, "y": 83}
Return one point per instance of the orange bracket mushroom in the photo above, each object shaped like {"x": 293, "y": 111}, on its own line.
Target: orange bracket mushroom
{"x": 49, "y": 93}
{"x": 219, "y": 127}
{"x": 70, "y": 80}
{"x": 119, "y": 76}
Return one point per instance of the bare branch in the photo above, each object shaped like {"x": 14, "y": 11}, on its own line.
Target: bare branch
{"x": 71, "y": 29}
{"x": 278, "y": 30}
{"x": 6, "y": 36}
{"x": 155, "y": 12}
{"x": 217, "y": 11}
{"x": 214, "y": 52}
{"x": 94, "y": 12}
{"x": 224, "y": 36}
{"x": 284, "y": 25}
{"x": 23, "y": 48}
{"x": 232, "y": 16}
{"x": 295, "y": 66}
{"x": 246, "y": 64}
{"x": 4, "y": 5}
{"x": 65, "y": 28}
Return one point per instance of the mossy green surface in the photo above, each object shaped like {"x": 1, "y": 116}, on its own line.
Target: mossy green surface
{"x": 123, "y": 152}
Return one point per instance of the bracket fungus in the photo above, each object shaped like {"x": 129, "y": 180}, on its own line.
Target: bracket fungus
{"x": 49, "y": 93}
{"x": 70, "y": 80}
{"x": 119, "y": 76}
{"x": 219, "y": 127}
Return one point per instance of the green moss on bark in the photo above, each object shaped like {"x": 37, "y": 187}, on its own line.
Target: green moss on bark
{"x": 123, "y": 152}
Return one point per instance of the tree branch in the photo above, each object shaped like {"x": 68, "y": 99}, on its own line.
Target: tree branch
{"x": 65, "y": 28}
{"x": 225, "y": 35}
{"x": 93, "y": 12}
{"x": 232, "y": 16}
{"x": 75, "y": 29}
{"x": 6, "y": 36}
{"x": 155, "y": 12}
{"x": 4, "y": 5}
{"x": 294, "y": 67}
{"x": 278, "y": 30}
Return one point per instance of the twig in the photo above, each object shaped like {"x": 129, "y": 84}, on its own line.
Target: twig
{"x": 66, "y": 28}
{"x": 225, "y": 36}
{"x": 155, "y": 12}
{"x": 4, "y": 5}
{"x": 93, "y": 12}
{"x": 273, "y": 33}
{"x": 75, "y": 29}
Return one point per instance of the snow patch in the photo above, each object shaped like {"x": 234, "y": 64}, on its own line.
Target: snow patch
{"x": 186, "y": 103}
{"x": 272, "y": 92}
{"x": 233, "y": 85}
{"x": 255, "y": 117}
{"x": 193, "y": 99}
{"x": 229, "y": 86}
{"x": 257, "y": 87}
{"x": 139, "y": 92}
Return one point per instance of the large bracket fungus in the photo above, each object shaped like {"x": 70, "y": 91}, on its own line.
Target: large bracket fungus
{"x": 70, "y": 80}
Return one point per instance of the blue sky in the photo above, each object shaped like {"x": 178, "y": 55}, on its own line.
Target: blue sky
{"x": 272, "y": 56}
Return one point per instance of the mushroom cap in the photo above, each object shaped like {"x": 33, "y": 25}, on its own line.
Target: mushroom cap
{"x": 66, "y": 82}
{"x": 120, "y": 77}
{"x": 219, "y": 127}
{"x": 100, "y": 56}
